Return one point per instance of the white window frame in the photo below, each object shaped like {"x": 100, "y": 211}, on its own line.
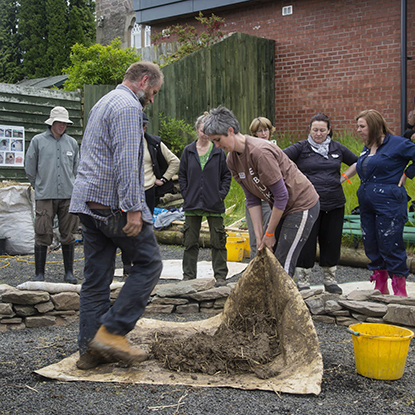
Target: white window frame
{"x": 136, "y": 36}
{"x": 147, "y": 36}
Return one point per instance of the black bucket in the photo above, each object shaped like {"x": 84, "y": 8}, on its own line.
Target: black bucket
{"x": 3, "y": 246}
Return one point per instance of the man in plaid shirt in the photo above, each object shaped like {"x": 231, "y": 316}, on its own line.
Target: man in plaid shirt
{"x": 109, "y": 198}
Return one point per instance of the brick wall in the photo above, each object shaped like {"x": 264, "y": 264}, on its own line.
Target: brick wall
{"x": 339, "y": 57}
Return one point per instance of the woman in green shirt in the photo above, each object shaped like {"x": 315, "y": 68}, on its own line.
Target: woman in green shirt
{"x": 204, "y": 180}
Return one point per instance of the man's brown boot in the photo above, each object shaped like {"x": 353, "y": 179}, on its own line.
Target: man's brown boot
{"x": 115, "y": 347}
{"x": 90, "y": 360}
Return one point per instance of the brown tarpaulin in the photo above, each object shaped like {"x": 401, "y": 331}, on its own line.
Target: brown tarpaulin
{"x": 265, "y": 287}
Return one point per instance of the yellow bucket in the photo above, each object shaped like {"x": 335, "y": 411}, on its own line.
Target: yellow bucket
{"x": 380, "y": 350}
{"x": 235, "y": 248}
{"x": 247, "y": 247}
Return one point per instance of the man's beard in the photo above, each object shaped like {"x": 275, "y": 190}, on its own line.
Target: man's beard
{"x": 143, "y": 98}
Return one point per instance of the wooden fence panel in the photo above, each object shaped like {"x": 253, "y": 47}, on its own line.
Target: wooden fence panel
{"x": 237, "y": 72}
{"x": 92, "y": 94}
{"x": 30, "y": 107}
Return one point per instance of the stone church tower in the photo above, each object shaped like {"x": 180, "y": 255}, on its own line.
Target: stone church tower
{"x": 116, "y": 18}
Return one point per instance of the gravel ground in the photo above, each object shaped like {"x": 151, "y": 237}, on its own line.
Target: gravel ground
{"x": 24, "y": 392}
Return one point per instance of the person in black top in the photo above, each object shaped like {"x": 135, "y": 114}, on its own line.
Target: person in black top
{"x": 205, "y": 181}
{"x": 160, "y": 165}
{"x": 320, "y": 158}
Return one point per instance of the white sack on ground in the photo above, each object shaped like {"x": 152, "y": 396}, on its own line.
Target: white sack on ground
{"x": 16, "y": 219}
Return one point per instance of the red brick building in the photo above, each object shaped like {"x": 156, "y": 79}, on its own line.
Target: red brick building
{"x": 334, "y": 56}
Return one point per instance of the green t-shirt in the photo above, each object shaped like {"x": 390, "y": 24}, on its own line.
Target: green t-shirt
{"x": 204, "y": 157}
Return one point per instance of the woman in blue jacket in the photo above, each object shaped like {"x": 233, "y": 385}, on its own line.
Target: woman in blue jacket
{"x": 204, "y": 180}
{"x": 383, "y": 168}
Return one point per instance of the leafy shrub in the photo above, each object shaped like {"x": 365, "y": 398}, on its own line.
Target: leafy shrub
{"x": 98, "y": 65}
{"x": 176, "y": 133}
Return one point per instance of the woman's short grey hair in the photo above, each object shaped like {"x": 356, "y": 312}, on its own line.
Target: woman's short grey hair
{"x": 219, "y": 121}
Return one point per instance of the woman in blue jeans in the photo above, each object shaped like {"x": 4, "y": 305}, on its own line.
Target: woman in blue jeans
{"x": 383, "y": 168}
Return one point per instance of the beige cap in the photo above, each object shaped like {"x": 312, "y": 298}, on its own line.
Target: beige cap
{"x": 58, "y": 114}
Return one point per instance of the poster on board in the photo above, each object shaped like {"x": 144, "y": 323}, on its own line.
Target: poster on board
{"x": 11, "y": 146}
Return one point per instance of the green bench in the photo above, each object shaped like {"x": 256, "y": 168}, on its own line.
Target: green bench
{"x": 351, "y": 226}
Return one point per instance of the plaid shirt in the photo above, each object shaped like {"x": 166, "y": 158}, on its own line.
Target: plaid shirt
{"x": 111, "y": 170}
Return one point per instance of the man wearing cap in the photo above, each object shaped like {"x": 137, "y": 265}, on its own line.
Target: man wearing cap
{"x": 51, "y": 165}
{"x": 109, "y": 198}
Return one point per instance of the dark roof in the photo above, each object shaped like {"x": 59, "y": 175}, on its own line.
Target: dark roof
{"x": 49, "y": 82}
{"x": 150, "y": 11}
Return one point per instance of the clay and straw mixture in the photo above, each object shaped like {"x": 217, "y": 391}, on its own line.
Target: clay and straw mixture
{"x": 247, "y": 344}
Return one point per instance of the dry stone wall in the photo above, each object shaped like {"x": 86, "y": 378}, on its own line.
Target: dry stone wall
{"x": 39, "y": 304}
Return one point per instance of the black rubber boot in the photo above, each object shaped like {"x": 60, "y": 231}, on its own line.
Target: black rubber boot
{"x": 40, "y": 261}
{"x": 126, "y": 270}
{"x": 220, "y": 282}
{"x": 127, "y": 265}
{"x": 68, "y": 256}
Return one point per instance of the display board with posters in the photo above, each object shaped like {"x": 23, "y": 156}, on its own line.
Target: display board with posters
{"x": 11, "y": 146}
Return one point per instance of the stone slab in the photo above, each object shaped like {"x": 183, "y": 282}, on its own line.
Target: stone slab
{"x": 187, "y": 308}
{"x": 172, "y": 269}
{"x": 369, "y": 308}
{"x": 6, "y": 309}
{"x": 42, "y": 321}
{"x": 159, "y": 309}
{"x": 14, "y": 320}
{"x": 324, "y": 319}
{"x": 24, "y": 297}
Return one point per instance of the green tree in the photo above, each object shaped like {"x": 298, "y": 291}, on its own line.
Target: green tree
{"x": 81, "y": 23}
{"x": 33, "y": 31}
{"x": 98, "y": 65}
{"x": 57, "y": 54}
{"x": 10, "y": 56}
{"x": 36, "y": 36}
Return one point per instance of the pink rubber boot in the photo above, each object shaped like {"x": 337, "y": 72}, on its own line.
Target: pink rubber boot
{"x": 380, "y": 276}
{"x": 399, "y": 286}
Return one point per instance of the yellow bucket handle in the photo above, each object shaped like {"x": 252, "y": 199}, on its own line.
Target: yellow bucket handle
{"x": 356, "y": 333}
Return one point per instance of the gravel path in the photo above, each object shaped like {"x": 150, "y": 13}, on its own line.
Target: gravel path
{"x": 23, "y": 351}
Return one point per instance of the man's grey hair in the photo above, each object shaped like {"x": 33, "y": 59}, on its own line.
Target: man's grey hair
{"x": 138, "y": 70}
{"x": 219, "y": 121}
